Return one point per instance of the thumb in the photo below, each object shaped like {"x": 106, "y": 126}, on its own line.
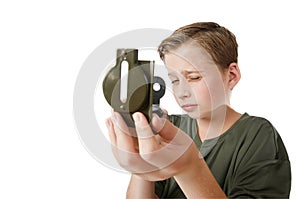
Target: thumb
{"x": 164, "y": 127}
{"x": 147, "y": 141}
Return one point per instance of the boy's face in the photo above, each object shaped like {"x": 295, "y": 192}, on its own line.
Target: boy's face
{"x": 197, "y": 83}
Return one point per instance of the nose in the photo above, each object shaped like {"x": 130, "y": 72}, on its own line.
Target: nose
{"x": 182, "y": 90}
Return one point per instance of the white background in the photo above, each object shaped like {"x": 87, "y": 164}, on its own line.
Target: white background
{"x": 43, "y": 45}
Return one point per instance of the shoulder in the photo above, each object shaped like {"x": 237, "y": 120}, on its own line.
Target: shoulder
{"x": 256, "y": 127}
{"x": 260, "y": 139}
{"x": 260, "y": 159}
{"x": 251, "y": 120}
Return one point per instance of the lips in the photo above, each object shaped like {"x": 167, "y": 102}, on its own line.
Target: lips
{"x": 189, "y": 107}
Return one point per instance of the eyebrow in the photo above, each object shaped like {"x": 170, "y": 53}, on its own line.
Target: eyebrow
{"x": 186, "y": 72}
{"x": 189, "y": 72}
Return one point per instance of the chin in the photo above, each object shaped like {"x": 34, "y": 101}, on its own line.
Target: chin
{"x": 199, "y": 115}
{"x": 194, "y": 114}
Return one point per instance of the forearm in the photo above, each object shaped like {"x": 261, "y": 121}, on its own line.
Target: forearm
{"x": 139, "y": 188}
{"x": 198, "y": 182}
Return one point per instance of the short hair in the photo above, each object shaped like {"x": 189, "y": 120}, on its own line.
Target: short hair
{"x": 218, "y": 41}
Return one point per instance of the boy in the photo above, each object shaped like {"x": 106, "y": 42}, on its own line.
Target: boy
{"x": 212, "y": 151}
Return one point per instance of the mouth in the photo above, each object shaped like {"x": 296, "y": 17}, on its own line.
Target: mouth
{"x": 189, "y": 107}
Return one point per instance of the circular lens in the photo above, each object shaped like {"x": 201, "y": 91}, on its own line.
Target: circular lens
{"x": 156, "y": 86}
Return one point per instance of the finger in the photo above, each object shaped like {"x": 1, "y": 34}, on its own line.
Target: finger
{"x": 119, "y": 122}
{"x": 147, "y": 141}
{"x": 164, "y": 127}
{"x": 133, "y": 162}
{"x": 125, "y": 148}
{"x": 124, "y": 140}
{"x": 169, "y": 132}
{"x": 111, "y": 132}
{"x": 164, "y": 111}
{"x": 175, "y": 143}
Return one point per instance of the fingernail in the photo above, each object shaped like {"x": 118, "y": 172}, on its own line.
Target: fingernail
{"x": 136, "y": 117}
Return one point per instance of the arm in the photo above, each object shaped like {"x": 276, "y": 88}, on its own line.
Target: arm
{"x": 189, "y": 170}
{"x": 140, "y": 188}
{"x": 174, "y": 154}
{"x": 197, "y": 181}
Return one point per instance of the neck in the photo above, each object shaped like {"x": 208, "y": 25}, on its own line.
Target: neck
{"x": 216, "y": 122}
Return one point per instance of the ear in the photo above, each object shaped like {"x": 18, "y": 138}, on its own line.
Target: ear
{"x": 234, "y": 75}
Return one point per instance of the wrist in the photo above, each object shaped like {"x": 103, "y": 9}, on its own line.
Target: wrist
{"x": 137, "y": 177}
{"x": 140, "y": 188}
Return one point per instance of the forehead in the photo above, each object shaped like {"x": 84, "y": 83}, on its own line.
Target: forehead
{"x": 189, "y": 58}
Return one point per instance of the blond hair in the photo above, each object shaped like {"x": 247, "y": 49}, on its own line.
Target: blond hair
{"x": 219, "y": 42}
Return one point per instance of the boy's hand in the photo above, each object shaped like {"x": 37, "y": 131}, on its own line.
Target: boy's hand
{"x": 153, "y": 157}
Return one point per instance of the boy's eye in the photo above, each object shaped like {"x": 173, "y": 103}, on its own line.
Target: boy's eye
{"x": 174, "y": 81}
{"x": 193, "y": 78}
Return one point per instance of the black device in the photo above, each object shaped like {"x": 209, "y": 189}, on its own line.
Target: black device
{"x": 139, "y": 94}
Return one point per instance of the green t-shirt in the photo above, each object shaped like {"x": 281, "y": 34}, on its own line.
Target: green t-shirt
{"x": 248, "y": 160}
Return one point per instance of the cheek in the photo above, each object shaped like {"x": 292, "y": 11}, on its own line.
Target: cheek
{"x": 175, "y": 92}
{"x": 217, "y": 92}
{"x": 200, "y": 92}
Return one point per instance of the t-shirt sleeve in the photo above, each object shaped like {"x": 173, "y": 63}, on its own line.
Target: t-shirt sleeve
{"x": 263, "y": 167}
{"x": 159, "y": 188}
